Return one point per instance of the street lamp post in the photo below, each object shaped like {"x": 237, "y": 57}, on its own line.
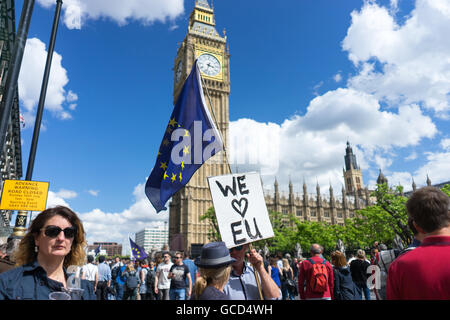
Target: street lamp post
{"x": 21, "y": 219}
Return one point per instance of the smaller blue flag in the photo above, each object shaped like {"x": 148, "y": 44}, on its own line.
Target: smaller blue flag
{"x": 97, "y": 250}
{"x": 138, "y": 252}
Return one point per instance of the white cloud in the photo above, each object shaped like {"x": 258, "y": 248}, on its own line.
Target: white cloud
{"x": 66, "y": 194}
{"x": 54, "y": 200}
{"x": 312, "y": 146}
{"x": 445, "y": 144}
{"x": 71, "y": 96}
{"x": 337, "y": 77}
{"x": 30, "y": 82}
{"x": 78, "y": 12}
{"x": 412, "y": 156}
{"x": 413, "y": 58}
{"x": 114, "y": 226}
{"x": 93, "y": 192}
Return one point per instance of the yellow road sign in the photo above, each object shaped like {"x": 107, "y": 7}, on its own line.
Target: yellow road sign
{"x": 24, "y": 195}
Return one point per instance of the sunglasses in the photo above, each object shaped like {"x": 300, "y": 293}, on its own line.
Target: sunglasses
{"x": 238, "y": 248}
{"x": 54, "y": 231}
{"x": 178, "y": 257}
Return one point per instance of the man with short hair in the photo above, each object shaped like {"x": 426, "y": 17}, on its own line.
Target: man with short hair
{"x": 316, "y": 274}
{"x": 162, "y": 281}
{"x": 423, "y": 273}
{"x": 90, "y": 272}
{"x": 178, "y": 274}
{"x": 104, "y": 279}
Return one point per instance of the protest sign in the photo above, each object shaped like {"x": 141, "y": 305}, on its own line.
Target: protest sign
{"x": 240, "y": 208}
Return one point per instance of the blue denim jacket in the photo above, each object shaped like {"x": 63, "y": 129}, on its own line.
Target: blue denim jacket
{"x": 30, "y": 282}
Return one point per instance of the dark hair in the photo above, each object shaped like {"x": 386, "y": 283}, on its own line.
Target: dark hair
{"x": 101, "y": 259}
{"x": 26, "y": 253}
{"x": 90, "y": 259}
{"x": 411, "y": 226}
{"x": 429, "y": 208}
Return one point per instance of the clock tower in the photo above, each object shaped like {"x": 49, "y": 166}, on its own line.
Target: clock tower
{"x": 202, "y": 42}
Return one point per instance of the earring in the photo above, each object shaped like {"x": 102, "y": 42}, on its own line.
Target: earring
{"x": 36, "y": 249}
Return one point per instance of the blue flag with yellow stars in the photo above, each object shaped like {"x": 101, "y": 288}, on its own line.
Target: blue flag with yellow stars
{"x": 97, "y": 250}
{"x": 190, "y": 139}
{"x": 138, "y": 252}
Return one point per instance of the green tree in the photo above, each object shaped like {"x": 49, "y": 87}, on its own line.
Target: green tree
{"x": 383, "y": 220}
{"x": 446, "y": 189}
{"x": 210, "y": 216}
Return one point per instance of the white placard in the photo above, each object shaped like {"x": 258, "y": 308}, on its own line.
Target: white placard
{"x": 240, "y": 208}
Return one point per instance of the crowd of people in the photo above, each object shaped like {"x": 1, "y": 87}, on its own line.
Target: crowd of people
{"x": 56, "y": 240}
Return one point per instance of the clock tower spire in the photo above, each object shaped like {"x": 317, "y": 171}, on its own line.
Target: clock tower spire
{"x": 204, "y": 43}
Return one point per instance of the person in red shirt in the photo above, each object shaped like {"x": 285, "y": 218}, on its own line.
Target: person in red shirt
{"x": 306, "y": 273}
{"x": 423, "y": 273}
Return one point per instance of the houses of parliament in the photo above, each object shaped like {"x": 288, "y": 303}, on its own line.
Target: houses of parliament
{"x": 186, "y": 230}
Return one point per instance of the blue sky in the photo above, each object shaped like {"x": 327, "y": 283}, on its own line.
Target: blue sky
{"x": 305, "y": 75}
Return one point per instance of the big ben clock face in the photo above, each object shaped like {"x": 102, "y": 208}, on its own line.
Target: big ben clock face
{"x": 209, "y": 65}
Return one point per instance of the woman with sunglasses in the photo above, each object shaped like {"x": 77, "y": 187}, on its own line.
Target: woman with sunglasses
{"x": 55, "y": 240}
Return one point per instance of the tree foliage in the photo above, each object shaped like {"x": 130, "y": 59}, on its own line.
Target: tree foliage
{"x": 446, "y": 189}
{"x": 383, "y": 220}
{"x": 210, "y": 216}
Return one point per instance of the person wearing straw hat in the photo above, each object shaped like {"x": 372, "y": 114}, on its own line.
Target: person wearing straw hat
{"x": 214, "y": 267}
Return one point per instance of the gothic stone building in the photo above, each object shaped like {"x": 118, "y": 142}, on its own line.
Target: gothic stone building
{"x": 331, "y": 208}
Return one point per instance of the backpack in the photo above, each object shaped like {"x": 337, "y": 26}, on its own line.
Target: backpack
{"x": 150, "y": 278}
{"x": 115, "y": 272}
{"x": 319, "y": 277}
{"x": 385, "y": 258}
{"x": 132, "y": 280}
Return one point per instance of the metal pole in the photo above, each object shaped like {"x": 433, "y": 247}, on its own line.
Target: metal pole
{"x": 37, "y": 125}
{"x": 21, "y": 219}
{"x": 14, "y": 69}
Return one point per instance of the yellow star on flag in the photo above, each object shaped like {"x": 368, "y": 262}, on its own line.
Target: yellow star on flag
{"x": 181, "y": 177}
{"x": 186, "y": 150}
{"x": 182, "y": 164}
{"x": 163, "y": 166}
{"x": 174, "y": 177}
{"x": 172, "y": 122}
{"x": 165, "y": 175}
{"x": 186, "y": 133}
{"x": 165, "y": 142}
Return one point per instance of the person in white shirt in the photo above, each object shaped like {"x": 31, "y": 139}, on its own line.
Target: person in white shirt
{"x": 162, "y": 282}
{"x": 90, "y": 272}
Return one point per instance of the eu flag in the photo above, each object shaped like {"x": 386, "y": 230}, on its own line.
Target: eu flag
{"x": 138, "y": 252}
{"x": 97, "y": 250}
{"x": 190, "y": 139}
